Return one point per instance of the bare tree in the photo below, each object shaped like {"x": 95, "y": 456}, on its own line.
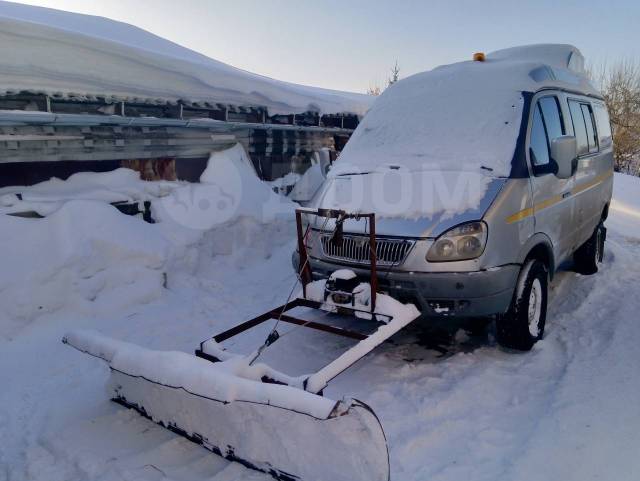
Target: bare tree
{"x": 374, "y": 89}
{"x": 395, "y": 73}
{"x": 620, "y": 86}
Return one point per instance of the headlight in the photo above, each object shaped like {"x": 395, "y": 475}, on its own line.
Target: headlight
{"x": 464, "y": 242}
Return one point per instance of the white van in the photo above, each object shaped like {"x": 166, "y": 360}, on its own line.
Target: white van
{"x": 485, "y": 176}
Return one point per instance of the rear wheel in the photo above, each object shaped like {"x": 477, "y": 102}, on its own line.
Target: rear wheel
{"x": 523, "y": 324}
{"x": 590, "y": 254}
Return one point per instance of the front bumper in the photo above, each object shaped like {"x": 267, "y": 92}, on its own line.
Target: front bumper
{"x": 440, "y": 294}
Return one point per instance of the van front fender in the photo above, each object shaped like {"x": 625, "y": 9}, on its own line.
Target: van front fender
{"x": 539, "y": 245}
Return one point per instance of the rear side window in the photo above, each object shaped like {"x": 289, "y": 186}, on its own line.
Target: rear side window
{"x": 583, "y": 127}
{"x": 591, "y": 129}
{"x": 538, "y": 146}
{"x": 604, "y": 127}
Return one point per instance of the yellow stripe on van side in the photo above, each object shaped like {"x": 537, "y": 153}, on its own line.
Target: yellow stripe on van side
{"x": 548, "y": 202}
{"x": 518, "y": 216}
{"x": 587, "y": 185}
{"x": 529, "y": 211}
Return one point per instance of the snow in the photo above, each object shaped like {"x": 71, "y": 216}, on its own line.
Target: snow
{"x": 220, "y": 381}
{"x": 283, "y": 185}
{"x": 72, "y": 55}
{"x": 120, "y": 185}
{"x": 109, "y": 260}
{"x": 432, "y": 143}
{"x": 311, "y": 181}
{"x": 566, "y": 410}
{"x": 625, "y": 215}
{"x": 304, "y": 189}
{"x": 460, "y": 117}
{"x": 557, "y": 56}
{"x": 386, "y": 306}
{"x": 401, "y": 193}
{"x": 301, "y": 188}
{"x": 229, "y": 188}
{"x": 236, "y": 414}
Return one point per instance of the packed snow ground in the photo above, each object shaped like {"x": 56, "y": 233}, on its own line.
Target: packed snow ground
{"x": 567, "y": 410}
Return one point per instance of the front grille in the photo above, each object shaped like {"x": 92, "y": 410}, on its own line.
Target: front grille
{"x": 357, "y": 249}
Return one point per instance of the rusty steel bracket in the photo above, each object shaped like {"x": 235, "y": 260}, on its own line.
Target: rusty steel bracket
{"x": 340, "y": 216}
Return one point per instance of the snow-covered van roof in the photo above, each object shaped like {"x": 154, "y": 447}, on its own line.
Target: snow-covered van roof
{"x": 72, "y": 55}
{"x": 461, "y": 117}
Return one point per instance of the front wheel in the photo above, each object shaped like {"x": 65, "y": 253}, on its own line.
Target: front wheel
{"x": 523, "y": 324}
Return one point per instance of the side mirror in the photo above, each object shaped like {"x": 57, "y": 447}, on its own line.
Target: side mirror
{"x": 564, "y": 152}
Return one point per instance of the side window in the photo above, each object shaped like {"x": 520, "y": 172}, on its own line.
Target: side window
{"x": 591, "y": 130}
{"x": 551, "y": 116}
{"x": 538, "y": 146}
{"x": 579, "y": 127}
{"x": 604, "y": 127}
{"x": 546, "y": 125}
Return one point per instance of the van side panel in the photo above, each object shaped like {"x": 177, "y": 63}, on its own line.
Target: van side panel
{"x": 567, "y": 211}
{"x": 593, "y": 178}
{"x": 553, "y": 205}
{"x": 559, "y": 213}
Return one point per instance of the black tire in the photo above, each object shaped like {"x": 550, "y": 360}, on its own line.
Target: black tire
{"x": 590, "y": 254}
{"x": 513, "y": 328}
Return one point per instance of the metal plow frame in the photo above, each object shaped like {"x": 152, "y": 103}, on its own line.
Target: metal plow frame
{"x": 279, "y": 425}
{"x": 317, "y": 381}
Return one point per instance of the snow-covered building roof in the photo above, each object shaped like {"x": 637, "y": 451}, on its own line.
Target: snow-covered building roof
{"x": 72, "y": 55}
{"x": 461, "y": 117}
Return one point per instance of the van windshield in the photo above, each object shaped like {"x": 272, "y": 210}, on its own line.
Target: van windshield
{"x": 401, "y": 193}
{"x": 462, "y": 117}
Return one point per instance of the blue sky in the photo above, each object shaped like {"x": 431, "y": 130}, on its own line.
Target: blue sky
{"x": 351, "y": 45}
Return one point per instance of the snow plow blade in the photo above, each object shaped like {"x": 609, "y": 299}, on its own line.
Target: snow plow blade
{"x": 281, "y": 430}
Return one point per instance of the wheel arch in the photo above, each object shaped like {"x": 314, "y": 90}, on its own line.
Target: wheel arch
{"x": 539, "y": 247}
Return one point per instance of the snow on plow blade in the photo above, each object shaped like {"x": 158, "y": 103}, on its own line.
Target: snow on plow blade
{"x": 281, "y": 430}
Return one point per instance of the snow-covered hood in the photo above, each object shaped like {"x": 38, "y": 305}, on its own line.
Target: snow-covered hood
{"x": 464, "y": 116}
{"x": 411, "y": 204}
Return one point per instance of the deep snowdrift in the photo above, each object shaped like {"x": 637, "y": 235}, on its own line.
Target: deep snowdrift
{"x": 229, "y": 188}
{"x": 567, "y": 410}
{"x": 120, "y": 185}
{"x": 625, "y": 206}
{"x": 88, "y": 257}
{"x": 62, "y": 53}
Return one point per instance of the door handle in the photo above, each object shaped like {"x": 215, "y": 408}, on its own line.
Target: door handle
{"x": 566, "y": 194}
